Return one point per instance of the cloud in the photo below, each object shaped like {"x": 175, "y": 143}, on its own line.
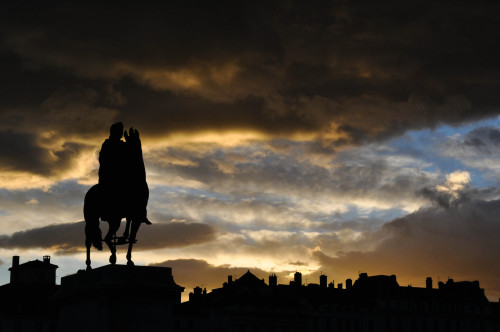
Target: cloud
{"x": 190, "y": 273}
{"x": 477, "y": 149}
{"x": 349, "y": 73}
{"x": 175, "y": 235}
{"x": 321, "y": 74}
{"x": 485, "y": 139}
{"x": 258, "y": 182}
{"x": 249, "y": 115}
{"x": 54, "y": 142}
{"x": 70, "y": 238}
{"x": 23, "y": 153}
{"x": 461, "y": 243}
{"x": 454, "y": 191}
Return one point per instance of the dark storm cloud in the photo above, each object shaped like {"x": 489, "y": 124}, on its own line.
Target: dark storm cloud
{"x": 63, "y": 237}
{"x": 57, "y": 136}
{"x": 451, "y": 200}
{"x": 351, "y": 72}
{"x": 70, "y": 238}
{"x": 22, "y": 152}
{"x": 461, "y": 243}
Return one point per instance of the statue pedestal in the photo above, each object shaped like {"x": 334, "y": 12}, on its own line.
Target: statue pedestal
{"x": 118, "y": 298}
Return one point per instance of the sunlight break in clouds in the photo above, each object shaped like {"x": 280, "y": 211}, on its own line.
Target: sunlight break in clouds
{"x": 455, "y": 182}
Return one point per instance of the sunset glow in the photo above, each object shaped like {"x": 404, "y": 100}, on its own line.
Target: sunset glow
{"x": 332, "y": 139}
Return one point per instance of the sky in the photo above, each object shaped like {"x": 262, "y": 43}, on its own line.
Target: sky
{"x": 326, "y": 137}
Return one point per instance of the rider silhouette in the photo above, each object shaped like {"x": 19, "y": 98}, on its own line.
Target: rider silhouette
{"x": 121, "y": 170}
{"x": 112, "y": 170}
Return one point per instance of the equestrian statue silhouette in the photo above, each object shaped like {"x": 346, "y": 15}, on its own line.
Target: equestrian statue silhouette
{"x": 122, "y": 192}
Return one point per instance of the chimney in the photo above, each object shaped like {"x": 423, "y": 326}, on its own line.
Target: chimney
{"x": 348, "y": 284}
{"x": 339, "y": 286}
{"x": 428, "y": 283}
{"x": 15, "y": 261}
{"x": 196, "y": 294}
{"x": 14, "y": 271}
{"x": 297, "y": 278}
{"x": 229, "y": 280}
{"x": 273, "y": 280}
{"x": 322, "y": 281}
{"x": 46, "y": 259}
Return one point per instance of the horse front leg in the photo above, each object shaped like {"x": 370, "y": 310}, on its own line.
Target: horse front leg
{"x": 113, "y": 228}
{"x": 135, "y": 227}
{"x": 88, "y": 244}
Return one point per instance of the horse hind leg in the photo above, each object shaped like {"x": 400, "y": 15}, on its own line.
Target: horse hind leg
{"x": 92, "y": 236}
{"x": 88, "y": 244}
{"x": 136, "y": 223}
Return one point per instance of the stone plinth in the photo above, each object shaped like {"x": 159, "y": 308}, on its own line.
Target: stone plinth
{"x": 118, "y": 298}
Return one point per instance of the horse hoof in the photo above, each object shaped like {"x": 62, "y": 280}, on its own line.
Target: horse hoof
{"x": 112, "y": 259}
{"x": 130, "y": 263}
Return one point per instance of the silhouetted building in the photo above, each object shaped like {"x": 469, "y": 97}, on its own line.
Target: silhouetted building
{"x": 140, "y": 298}
{"x": 118, "y": 298}
{"x": 33, "y": 272}
{"x": 109, "y": 298}
{"x": 25, "y": 304}
{"x": 372, "y": 303}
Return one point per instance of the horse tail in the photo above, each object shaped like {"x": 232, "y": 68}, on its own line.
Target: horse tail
{"x": 91, "y": 213}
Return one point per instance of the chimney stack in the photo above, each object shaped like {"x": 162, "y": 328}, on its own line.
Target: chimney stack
{"x": 273, "y": 280}
{"x": 322, "y": 281}
{"x": 14, "y": 272}
{"x": 428, "y": 283}
{"x": 46, "y": 259}
{"x": 15, "y": 261}
{"x": 348, "y": 284}
{"x": 297, "y": 278}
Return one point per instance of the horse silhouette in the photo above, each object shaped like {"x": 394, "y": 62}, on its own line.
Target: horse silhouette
{"x": 93, "y": 208}
{"x": 101, "y": 203}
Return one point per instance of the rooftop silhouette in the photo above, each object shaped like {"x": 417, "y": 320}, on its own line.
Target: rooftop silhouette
{"x": 146, "y": 298}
